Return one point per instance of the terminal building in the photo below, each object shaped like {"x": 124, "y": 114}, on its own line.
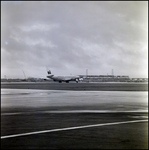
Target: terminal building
{"x": 105, "y": 78}
{"x": 111, "y": 78}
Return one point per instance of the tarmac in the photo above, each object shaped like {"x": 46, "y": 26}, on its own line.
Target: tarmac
{"x": 81, "y": 86}
{"x": 73, "y": 119}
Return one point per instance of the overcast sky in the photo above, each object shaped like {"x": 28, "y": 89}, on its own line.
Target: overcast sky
{"x": 69, "y": 37}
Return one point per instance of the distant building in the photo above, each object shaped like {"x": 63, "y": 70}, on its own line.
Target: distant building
{"x": 111, "y": 78}
{"x": 86, "y": 78}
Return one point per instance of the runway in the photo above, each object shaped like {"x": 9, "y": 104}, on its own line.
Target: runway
{"x": 64, "y": 119}
{"x": 81, "y": 86}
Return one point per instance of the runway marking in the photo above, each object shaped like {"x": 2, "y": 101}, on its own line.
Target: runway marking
{"x": 75, "y": 111}
{"x": 70, "y": 128}
{"x": 94, "y": 111}
{"x": 8, "y": 114}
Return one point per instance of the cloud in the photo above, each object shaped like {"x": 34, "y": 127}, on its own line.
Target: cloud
{"x": 39, "y": 27}
{"x": 72, "y": 36}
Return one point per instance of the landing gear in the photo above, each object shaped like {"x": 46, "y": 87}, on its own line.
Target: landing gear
{"x": 67, "y": 81}
{"x": 77, "y": 80}
{"x": 60, "y": 81}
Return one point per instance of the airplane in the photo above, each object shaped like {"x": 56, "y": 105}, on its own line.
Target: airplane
{"x": 63, "y": 78}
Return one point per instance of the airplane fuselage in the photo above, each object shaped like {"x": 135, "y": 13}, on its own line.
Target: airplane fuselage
{"x": 64, "y": 78}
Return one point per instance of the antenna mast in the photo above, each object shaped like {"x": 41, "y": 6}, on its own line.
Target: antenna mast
{"x": 112, "y": 72}
{"x": 24, "y": 74}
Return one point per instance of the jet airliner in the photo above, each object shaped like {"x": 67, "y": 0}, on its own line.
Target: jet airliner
{"x": 61, "y": 79}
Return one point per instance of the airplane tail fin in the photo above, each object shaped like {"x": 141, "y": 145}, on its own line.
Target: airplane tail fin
{"x": 49, "y": 72}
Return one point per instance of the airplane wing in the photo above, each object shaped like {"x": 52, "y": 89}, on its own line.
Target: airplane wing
{"x": 47, "y": 79}
{"x": 67, "y": 79}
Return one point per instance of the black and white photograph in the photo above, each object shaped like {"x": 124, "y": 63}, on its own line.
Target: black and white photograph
{"x": 74, "y": 74}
